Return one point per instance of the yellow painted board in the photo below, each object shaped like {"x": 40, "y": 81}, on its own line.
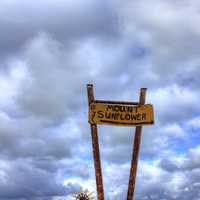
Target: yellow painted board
{"x": 121, "y": 114}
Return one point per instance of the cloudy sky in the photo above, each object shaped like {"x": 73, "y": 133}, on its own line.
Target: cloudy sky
{"x": 50, "y": 50}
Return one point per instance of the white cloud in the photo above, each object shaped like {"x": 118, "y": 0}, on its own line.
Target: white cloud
{"x": 174, "y": 130}
{"x": 174, "y": 104}
{"x": 10, "y": 82}
{"x": 194, "y": 123}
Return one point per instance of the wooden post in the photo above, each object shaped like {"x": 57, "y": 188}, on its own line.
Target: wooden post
{"x": 135, "y": 153}
{"x": 95, "y": 146}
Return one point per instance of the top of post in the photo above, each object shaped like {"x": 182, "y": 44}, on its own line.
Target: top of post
{"x": 90, "y": 93}
{"x": 89, "y": 85}
{"x": 142, "y": 96}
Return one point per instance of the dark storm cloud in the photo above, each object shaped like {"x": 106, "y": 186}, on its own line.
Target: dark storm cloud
{"x": 22, "y": 180}
{"x": 25, "y": 137}
{"x": 168, "y": 165}
{"x": 64, "y": 20}
{"x": 169, "y": 32}
{"x": 50, "y": 69}
{"x": 30, "y": 153}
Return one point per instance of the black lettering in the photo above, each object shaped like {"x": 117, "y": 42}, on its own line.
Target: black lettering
{"x": 133, "y": 117}
{"x": 122, "y": 108}
{"x": 138, "y": 116}
{"x": 114, "y": 115}
{"x": 109, "y": 107}
{"x": 119, "y": 108}
{"x": 100, "y": 114}
{"x": 143, "y": 116}
{"x": 129, "y": 109}
{"x": 121, "y": 116}
{"x": 127, "y": 117}
{"x": 107, "y": 115}
{"x": 116, "y": 108}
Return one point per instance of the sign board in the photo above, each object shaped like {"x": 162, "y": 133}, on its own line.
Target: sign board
{"x": 121, "y": 114}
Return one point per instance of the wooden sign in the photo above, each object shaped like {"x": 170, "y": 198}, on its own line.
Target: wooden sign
{"x": 121, "y": 114}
